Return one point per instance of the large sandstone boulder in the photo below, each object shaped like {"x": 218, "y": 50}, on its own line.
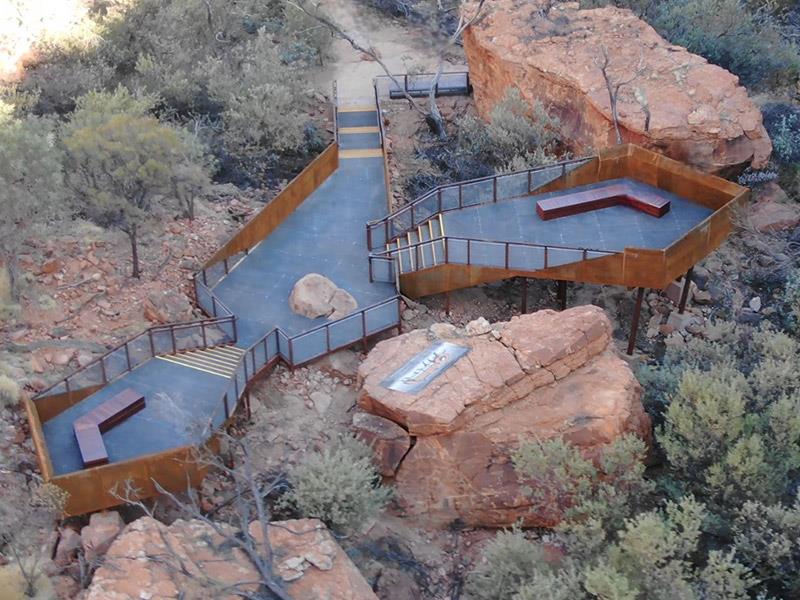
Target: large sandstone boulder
{"x": 315, "y": 296}
{"x": 188, "y": 559}
{"x": 678, "y": 104}
{"x": 542, "y": 375}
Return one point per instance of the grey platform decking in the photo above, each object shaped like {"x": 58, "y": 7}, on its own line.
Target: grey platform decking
{"x": 611, "y": 229}
{"x": 324, "y": 235}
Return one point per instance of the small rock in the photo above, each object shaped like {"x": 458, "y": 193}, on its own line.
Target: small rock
{"x": 478, "y": 327}
{"x": 321, "y": 400}
{"x": 103, "y": 528}
{"x": 755, "y": 304}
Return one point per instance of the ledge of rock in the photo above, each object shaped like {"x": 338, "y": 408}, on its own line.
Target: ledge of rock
{"x": 315, "y": 296}
{"x": 547, "y": 374}
{"x": 188, "y": 559}
{"x": 698, "y": 112}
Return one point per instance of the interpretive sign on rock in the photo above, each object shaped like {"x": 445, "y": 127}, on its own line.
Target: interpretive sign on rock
{"x": 417, "y": 373}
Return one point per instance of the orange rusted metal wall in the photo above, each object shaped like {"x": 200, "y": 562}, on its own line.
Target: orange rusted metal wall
{"x": 280, "y": 207}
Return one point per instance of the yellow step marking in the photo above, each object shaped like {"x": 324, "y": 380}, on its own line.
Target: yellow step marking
{"x": 357, "y": 108}
{"x": 421, "y": 247}
{"x": 363, "y": 153}
{"x": 196, "y": 368}
{"x": 232, "y": 350}
{"x": 433, "y": 244}
{"x": 202, "y": 362}
{"x": 211, "y": 361}
{"x": 411, "y": 256}
{"x": 351, "y": 130}
{"x": 221, "y": 356}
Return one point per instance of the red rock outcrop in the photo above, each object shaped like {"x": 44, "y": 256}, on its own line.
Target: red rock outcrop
{"x": 545, "y": 375}
{"x": 677, "y": 103}
{"x": 188, "y": 559}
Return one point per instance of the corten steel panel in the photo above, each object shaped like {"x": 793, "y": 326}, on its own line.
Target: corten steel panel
{"x": 39, "y": 444}
{"x": 274, "y": 213}
{"x": 583, "y": 175}
{"x": 92, "y": 489}
{"x": 52, "y": 406}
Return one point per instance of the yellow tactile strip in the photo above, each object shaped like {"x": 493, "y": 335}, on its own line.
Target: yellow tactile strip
{"x": 361, "y": 153}
{"x": 220, "y": 360}
{"x": 348, "y": 130}
{"x": 357, "y": 108}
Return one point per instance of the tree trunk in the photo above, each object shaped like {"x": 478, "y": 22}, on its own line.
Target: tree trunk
{"x": 134, "y": 252}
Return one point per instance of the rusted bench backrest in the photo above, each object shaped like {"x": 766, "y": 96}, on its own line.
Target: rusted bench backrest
{"x": 605, "y": 196}
{"x": 90, "y": 427}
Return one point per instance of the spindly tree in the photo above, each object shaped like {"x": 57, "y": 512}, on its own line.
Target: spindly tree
{"x": 123, "y": 163}
{"x": 31, "y": 182}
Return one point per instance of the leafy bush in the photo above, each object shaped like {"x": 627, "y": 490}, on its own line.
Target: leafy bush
{"x": 338, "y": 485}
{"x": 732, "y": 428}
{"x": 9, "y": 391}
{"x": 768, "y": 539}
{"x": 569, "y": 486}
{"x": 651, "y": 558}
{"x": 783, "y": 125}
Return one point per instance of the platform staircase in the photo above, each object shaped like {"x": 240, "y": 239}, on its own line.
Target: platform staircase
{"x": 217, "y": 360}
{"x": 420, "y": 248}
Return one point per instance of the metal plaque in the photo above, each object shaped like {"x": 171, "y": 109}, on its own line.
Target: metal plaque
{"x": 417, "y": 373}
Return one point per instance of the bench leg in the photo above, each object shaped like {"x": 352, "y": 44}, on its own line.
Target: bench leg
{"x": 687, "y": 283}
{"x": 637, "y": 311}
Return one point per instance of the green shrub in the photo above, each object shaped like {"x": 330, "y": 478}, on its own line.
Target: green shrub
{"x": 338, "y": 485}
{"x": 564, "y": 485}
{"x": 653, "y": 558}
{"x": 9, "y": 391}
{"x": 767, "y": 539}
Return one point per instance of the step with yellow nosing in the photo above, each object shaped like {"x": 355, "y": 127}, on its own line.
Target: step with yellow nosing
{"x": 357, "y": 108}
{"x": 361, "y": 153}
{"x": 195, "y": 367}
{"x": 354, "y": 130}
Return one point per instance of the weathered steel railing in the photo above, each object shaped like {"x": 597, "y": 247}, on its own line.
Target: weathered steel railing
{"x": 161, "y": 339}
{"x": 511, "y": 256}
{"x": 463, "y": 194}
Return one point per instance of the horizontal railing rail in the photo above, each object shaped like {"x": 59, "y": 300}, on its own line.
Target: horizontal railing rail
{"x": 397, "y": 86}
{"x": 486, "y": 253}
{"x": 160, "y": 339}
{"x": 464, "y": 194}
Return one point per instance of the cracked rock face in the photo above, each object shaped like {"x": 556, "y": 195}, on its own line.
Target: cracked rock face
{"x": 673, "y": 102}
{"x": 547, "y": 374}
{"x": 188, "y": 559}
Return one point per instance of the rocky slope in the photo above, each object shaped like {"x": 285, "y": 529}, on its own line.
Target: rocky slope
{"x": 674, "y": 102}
{"x": 544, "y": 375}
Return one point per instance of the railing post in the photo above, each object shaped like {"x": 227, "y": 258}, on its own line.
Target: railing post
{"x": 460, "y": 196}
{"x": 225, "y": 263}
{"x": 103, "y": 369}
{"x": 205, "y": 340}
{"x": 506, "y": 256}
{"x": 213, "y": 305}
{"x": 235, "y": 331}
{"x": 369, "y": 237}
{"x": 412, "y": 217}
{"x": 172, "y": 336}
{"x": 152, "y": 346}
{"x": 494, "y": 189}
{"x": 545, "y": 257}
{"x": 469, "y": 261}
{"x": 530, "y": 180}
{"x": 291, "y": 353}
{"x": 205, "y": 279}
{"x": 446, "y": 251}
{"x": 439, "y": 193}
{"x": 127, "y": 355}
{"x": 364, "y": 330}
